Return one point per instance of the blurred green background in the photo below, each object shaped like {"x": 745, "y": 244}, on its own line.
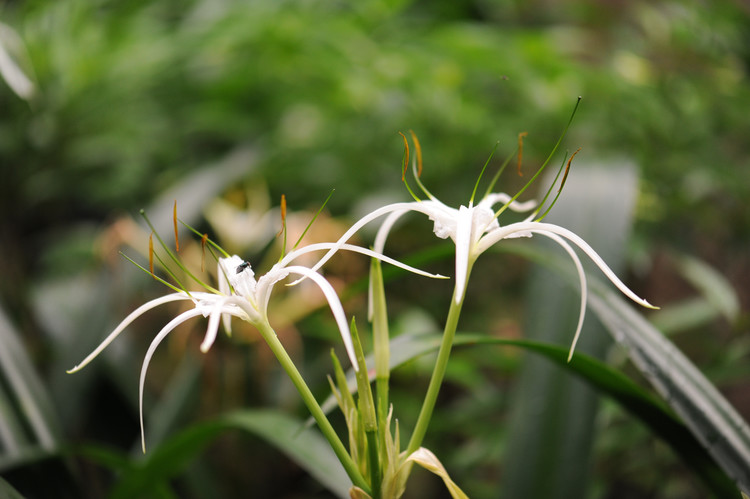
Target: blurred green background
{"x": 226, "y": 104}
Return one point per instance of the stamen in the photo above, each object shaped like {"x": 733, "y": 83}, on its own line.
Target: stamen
{"x": 567, "y": 169}
{"x": 476, "y": 185}
{"x": 174, "y": 218}
{"x": 174, "y": 259}
{"x": 313, "y": 220}
{"x": 282, "y": 232}
{"x": 520, "y": 151}
{"x": 169, "y": 285}
{"x": 151, "y": 254}
{"x": 405, "y": 159}
{"x": 416, "y": 167}
{"x": 544, "y": 165}
{"x": 208, "y": 240}
{"x": 500, "y": 171}
{"x": 559, "y": 190}
{"x": 419, "y": 152}
{"x": 203, "y": 252}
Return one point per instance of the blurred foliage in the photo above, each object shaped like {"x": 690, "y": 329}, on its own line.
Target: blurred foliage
{"x": 132, "y": 97}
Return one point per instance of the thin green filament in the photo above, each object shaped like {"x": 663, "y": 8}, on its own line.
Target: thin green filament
{"x": 313, "y": 219}
{"x": 479, "y": 178}
{"x": 544, "y": 165}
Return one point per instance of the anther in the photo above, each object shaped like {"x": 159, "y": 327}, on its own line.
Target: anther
{"x": 520, "y": 151}
{"x": 419, "y": 152}
{"x": 406, "y": 157}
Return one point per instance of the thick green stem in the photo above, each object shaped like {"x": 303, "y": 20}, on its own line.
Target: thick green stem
{"x": 269, "y": 335}
{"x": 438, "y": 372}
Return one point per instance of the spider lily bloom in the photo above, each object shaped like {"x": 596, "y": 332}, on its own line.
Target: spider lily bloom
{"x": 474, "y": 228}
{"x": 241, "y": 295}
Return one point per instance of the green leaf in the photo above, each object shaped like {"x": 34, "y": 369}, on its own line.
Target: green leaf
{"x": 305, "y": 447}
{"x": 553, "y": 418}
{"x": 27, "y": 400}
{"x": 710, "y": 417}
{"x": 651, "y": 411}
{"x": 7, "y": 491}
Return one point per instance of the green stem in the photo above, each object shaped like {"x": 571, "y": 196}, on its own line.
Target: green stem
{"x": 438, "y": 373}
{"x": 373, "y": 456}
{"x": 269, "y": 335}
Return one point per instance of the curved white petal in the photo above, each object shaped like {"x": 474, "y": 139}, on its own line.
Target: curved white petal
{"x": 126, "y": 322}
{"x": 353, "y": 230}
{"x": 336, "y": 308}
{"x": 385, "y": 229}
{"x": 150, "y": 352}
{"x": 224, "y": 289}
{"x": 464, "y": 226}
{"x": 217, "y": 312}
{"x": 364, "y": 251}
{"x": 584, "y": 287}
{"x": 540, "y": 228}
{"x": 224, "y": 308}
{"x": 500, "y": 197}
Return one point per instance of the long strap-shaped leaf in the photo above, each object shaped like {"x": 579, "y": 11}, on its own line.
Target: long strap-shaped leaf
{"x": 710, "y": 417}
{"x": 307, "y": 448}
{"x": 635, "y": 400}
{"x": 704, "y": 410}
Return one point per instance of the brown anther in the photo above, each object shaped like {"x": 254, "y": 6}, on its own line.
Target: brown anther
{"x": 174, "y": 219}
{"x": 419, "y": 152}
{"x": 406, "y": 157}
{"x": 567, "y": 169}
{"x": 520, "y": 151}
{"x": 283, "y": 215}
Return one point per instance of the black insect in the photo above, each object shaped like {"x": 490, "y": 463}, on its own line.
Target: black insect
{"x": 242, "y": 266}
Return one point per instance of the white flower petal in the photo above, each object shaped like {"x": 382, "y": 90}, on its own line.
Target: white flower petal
{"x": 224, "y": 289}
{"x": 500, "y": 197}
{"x": 217, "y": 312}
{"x": 584, "y": 288}
{"x": 353, "y": 230}
{"x": 464, "y": 226}
{"x": 336, "y": 308}
{"x": 126, "y": 322}
{"x": 542, "y": 228}
{"x": 147, "y": 359}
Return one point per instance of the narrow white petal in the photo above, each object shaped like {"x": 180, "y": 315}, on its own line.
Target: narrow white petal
{"x": 336, "y": 308}
{"x": 371, "y": 253}
{"x": 349, "y": 233}
{"x": 463, "y": 249}
{"x": 500, "y": 197}
{"x": 126, "y": 322}
{"x": 584, "y": 287}
{"x": 224, "y": 308}
{"x": 213, "y": 324}
{"x": 542, "y": 228}
{"x": 225, "y": 290}
{"x": 147, "y": 359}
{"x": 385, "y": 229}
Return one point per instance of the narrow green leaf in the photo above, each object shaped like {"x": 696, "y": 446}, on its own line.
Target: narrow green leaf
{"x": 33, "y": 403}
{"x": 307, "y": 448}
{"x": 710, "y": 417}
{"x": 8, "y": 492}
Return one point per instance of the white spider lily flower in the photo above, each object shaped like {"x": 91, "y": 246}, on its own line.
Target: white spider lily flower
{"x": 240, "y": 295}
{"x": 475, "y": 228}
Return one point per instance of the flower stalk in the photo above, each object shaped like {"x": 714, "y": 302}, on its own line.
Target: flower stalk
{"x": 438, "y": 372}
{"x": 269, "y": 335}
